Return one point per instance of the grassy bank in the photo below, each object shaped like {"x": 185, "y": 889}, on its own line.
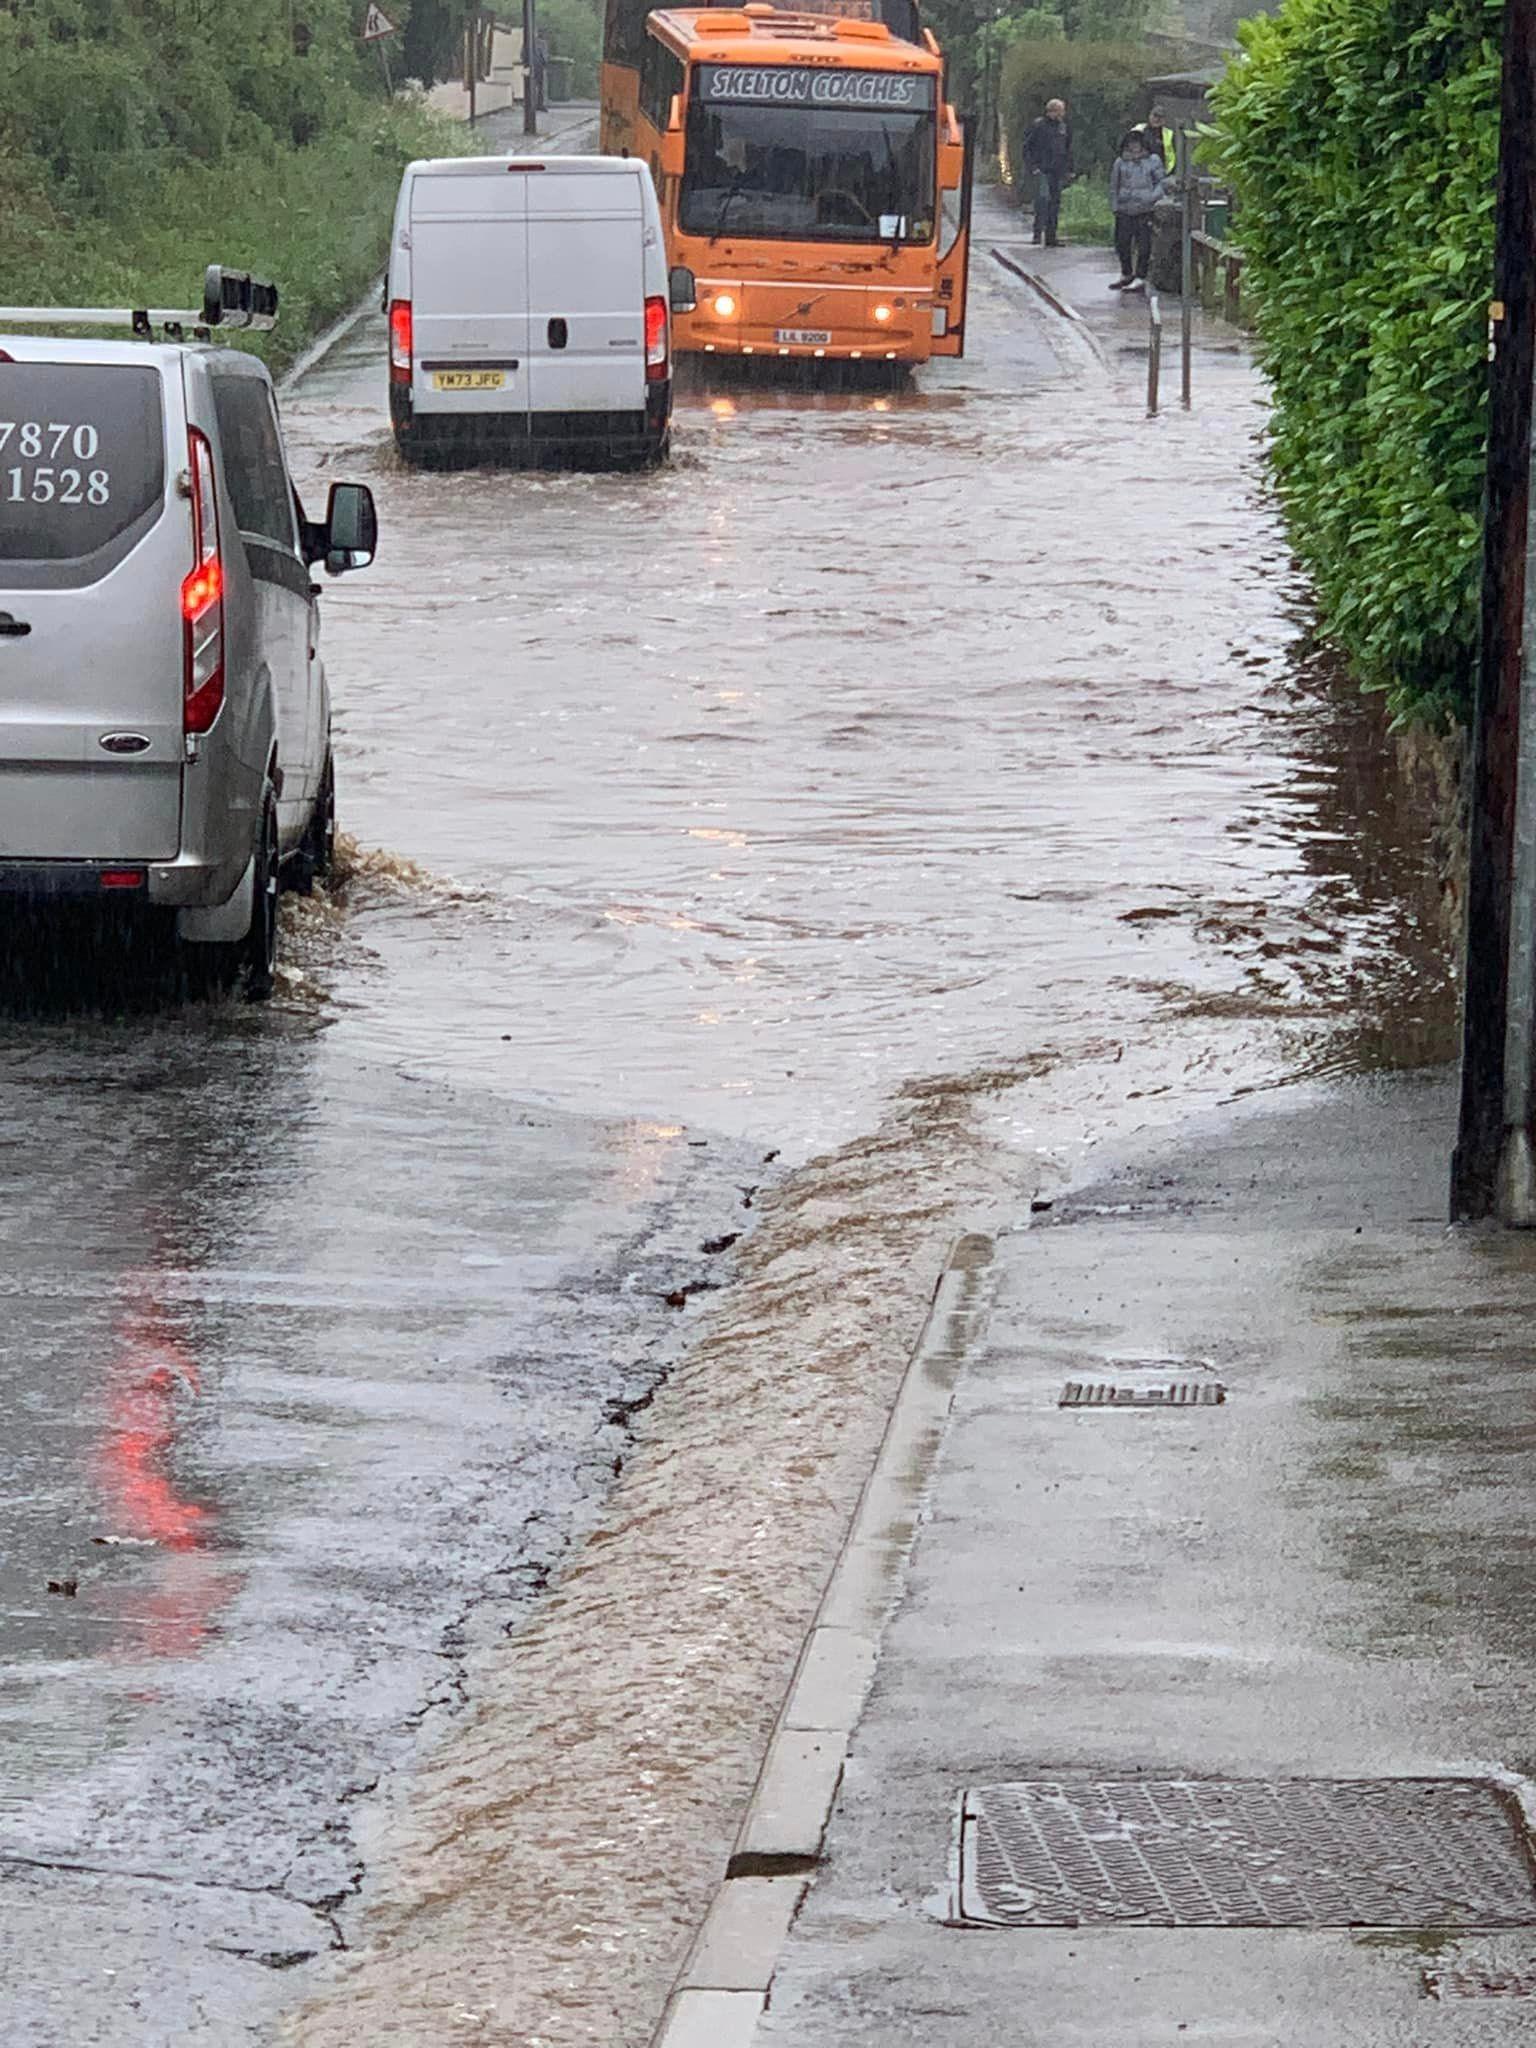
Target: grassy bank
{"x": 143, "y": 139}
{"x": 316, "y": 220}
{"x": 1085, "y": 214}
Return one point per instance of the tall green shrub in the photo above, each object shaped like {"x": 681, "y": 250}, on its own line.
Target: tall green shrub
{"x": 1361, "y": 137}
{"x": 1102, "y": 84}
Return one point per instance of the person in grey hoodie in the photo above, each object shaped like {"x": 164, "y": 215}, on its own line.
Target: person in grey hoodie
{"x": 1136, "y": 183}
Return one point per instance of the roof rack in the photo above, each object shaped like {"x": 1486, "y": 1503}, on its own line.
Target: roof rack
{"x": 231, "y": 299}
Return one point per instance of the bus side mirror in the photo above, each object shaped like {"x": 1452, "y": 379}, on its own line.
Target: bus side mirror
{"x": 682, "y": 289}
{"x": 675, "y": 115}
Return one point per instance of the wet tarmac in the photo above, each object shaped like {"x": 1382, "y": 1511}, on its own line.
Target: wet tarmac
{"x": 949, "y": 744}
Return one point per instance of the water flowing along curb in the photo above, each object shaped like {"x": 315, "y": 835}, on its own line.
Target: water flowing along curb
{"x": 723, "y": 1985}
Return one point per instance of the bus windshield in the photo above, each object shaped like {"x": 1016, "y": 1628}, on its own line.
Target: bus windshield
{"x": 807, "y": 173}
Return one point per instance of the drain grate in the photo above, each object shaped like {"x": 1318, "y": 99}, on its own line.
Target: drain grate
{"x": 1481, "y": 1983}
{"x": 1175, "y": 1394}
{"x": 1363, "y": 1852}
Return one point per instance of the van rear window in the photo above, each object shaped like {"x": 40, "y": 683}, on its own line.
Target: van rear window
{"x": 82, "y": 458}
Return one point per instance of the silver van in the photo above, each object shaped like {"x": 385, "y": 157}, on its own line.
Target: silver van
{"x": 164, "y": 715}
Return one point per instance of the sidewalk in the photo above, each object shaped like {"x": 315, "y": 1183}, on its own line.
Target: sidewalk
{"x": 1325, "y": 1577}
{"x": 1075, "y": 278}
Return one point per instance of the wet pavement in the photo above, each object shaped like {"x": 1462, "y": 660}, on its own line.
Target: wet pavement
{"x": 906, "y": 790}
{"x": 1238, "y": 1617}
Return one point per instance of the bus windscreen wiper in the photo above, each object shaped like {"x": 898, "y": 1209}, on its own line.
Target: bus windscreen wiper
{"x": 725, "y": 208}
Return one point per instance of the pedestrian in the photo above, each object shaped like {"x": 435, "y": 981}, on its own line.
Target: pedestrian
{"x": 540, "y": 74}
{"x": 1048, "y": 156}
{"x": 1137, "y": 182}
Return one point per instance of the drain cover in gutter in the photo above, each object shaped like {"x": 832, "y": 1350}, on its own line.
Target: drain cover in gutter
{"x": 1173, "y": 1394}
{"x": 1360, "y": 1852}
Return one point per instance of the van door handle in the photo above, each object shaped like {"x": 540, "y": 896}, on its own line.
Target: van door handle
{"x": 13, "y": 628}
{"x": 557, "y": 334}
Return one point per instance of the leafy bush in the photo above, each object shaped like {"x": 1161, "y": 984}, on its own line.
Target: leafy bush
{"x": 1102, "y": 84}
{"x": 1361, "y": 137}
{"x": 140, "y": 139}
{"x": 574, "y": 29}
{"x": 1085, "y": 214}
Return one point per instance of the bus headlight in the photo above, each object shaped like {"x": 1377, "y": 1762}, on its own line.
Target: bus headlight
{"x": 882, "y": 314}
{"x": 725, "y": 304}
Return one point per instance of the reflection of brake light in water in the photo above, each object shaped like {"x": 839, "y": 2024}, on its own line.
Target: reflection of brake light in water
{"x": 148, "y": 1368}
{"x": 150, "y": 1376}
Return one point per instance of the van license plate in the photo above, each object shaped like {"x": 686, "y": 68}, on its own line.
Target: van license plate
{"x": 468, "y": 380}
{"x": 805, "y": 337}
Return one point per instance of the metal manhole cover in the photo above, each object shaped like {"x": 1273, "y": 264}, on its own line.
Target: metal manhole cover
{"x": 1172, "y": 1394}
{"x": 1188, "y": 1852}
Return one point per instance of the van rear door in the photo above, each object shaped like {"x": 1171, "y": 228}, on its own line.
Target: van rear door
{"x": 586, "y": 291}
{"x": 94, "y": 546}
{"x": 469, "y": 291}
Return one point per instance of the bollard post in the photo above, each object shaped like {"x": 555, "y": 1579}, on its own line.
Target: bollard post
{"x": 1187, "y": 266}
{"x": 1154, "y": 352}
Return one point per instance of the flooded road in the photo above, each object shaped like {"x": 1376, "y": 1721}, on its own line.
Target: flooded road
{"x": 886, "y": 733}
{"x": 836, "y": 833}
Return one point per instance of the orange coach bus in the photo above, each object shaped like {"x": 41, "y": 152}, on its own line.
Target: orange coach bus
{"x": 815, "y": 187}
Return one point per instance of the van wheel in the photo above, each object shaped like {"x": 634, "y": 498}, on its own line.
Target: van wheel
{"x": 316, "y": 854}
{"x": 250, "y": 964}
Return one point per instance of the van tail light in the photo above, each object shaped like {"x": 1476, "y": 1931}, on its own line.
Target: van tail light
{"x": 655, "y": 341}
{"x": 399, "y": 341}
{"x": 202, "y": 595}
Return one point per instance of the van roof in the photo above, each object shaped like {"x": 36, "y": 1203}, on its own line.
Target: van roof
{"x": 31, "y": 348}
{"x": 477, "y": 166}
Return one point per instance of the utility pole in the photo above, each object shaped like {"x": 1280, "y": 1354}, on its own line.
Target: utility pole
{"x": 530, "y": 47}
{"x": 1492, "y": 1167}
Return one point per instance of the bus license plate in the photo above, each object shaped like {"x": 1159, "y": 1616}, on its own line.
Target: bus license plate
{"x": 804, "y": 337}
{"x": 468, "y": 380}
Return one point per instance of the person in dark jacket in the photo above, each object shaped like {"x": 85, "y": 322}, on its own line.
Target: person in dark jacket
{"x": 1048, "y": 157}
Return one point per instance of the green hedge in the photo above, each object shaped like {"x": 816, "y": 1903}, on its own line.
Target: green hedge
{"x": 141, "y": 139}
{"x": 1361, "y": 137}
{"x": 1102, "y": 84}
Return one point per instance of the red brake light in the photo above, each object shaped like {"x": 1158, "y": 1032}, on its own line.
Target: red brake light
{"x": 400, "y": 341}
{"x": 122, "y": 878}
{"x": 202, "y": 594}
{"x": 655, "y": 340}
{"x": 202, "y": 588}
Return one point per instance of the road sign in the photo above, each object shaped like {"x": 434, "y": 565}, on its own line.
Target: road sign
{"x": 377, "y": 25}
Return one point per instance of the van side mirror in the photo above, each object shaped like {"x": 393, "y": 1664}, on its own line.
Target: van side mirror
{"x": 682, "y": 288}
{"x": 351, "y": 528}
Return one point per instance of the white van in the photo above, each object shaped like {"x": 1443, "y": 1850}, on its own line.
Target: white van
{"x": 528, "y": 308}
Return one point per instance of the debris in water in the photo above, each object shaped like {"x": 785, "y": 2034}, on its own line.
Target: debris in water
{"x": 68, "y": 1587}
{"x": 720, "y": 1244}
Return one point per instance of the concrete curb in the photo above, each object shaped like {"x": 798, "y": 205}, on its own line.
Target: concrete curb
{"x": 724, "y": 1982}
{"x": 1057, "y": 304}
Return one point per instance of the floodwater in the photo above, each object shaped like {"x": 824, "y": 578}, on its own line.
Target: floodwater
{"x": 885, "y": 734}
{"x": 837, "y": 833}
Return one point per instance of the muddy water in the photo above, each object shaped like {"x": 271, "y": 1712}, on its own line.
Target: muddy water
{"x": 886, "y": 733}
{"x": 929, "y": 785}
